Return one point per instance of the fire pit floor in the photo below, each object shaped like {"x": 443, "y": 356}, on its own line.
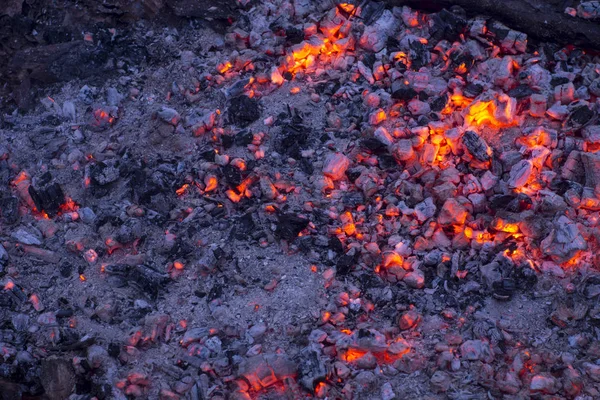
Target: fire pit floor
{"x": 330, "y": 200}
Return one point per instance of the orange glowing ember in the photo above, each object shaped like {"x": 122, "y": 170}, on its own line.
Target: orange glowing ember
{"x": 178, "y": 265}
{"x": 497, "y": 113}
{"x": 9, "y": 285}
{"x": 392, "y": 259}
{"x": 320, "y": 389}
{"x": 353, "y": 355}
{"x": 35, "y": 300}
{"x": 181, "y": 191}
{"x": 348, "y": 223}
{"x": 349, "y": 8}
{"x": 503, "y": 226}
{"x": 573, "y": 261}
{"x": 211, "y": 183}
{"x": 69, "y": 206}
{"x": 23, "y": 176}
{"x": 240, "y": 192}
{"x": 223, "y": 68}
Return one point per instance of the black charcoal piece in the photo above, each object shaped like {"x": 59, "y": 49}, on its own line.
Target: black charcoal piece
{"x": 289, "y": 226}
{"x": 243, "y": 110}
{"x": 476, "y": 146}
{"x": 47, "y": 199}
{"x": 521, "y": 91}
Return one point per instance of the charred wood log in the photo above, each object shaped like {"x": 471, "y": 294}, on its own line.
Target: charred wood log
{"x": 542, "y": 19}
{"x": 591, "y": 165}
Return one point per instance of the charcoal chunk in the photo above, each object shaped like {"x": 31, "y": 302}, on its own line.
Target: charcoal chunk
{"x": 501, "y": 201}
{"x": 9, "y": 212}
{"x": 232, "y": 175}
{"x": 57, "y": 377}
{"x": 294, "y": 35}
{"x": 447, "y": 25}
{"x": 353, "y": 199}
{"x": 476, "y": 146}
{"x": 372, "y": 11}
{"x": 335, "y": 244}
{"x": 419, "y": 55}
{"x": 148, "y": 279}
{"x": 559, "y": 80}
{"x": 402, "y": 91}
{"x": 244, "y": 227}
{"x": 102, "y": 174}
{"x": 439, "y": 103}
{"x": 373, "y": 144}
{"x": 227, "y": 141}
{"x": 345, "y": 263}
{"x": 47, "y": 199}
{"x": 579, "y": 117}
{"x": 311, "y": 368}
{"x": 143, "y": 187}
{"x": 243, "y": 110}
{"x": 521, "y": 91}
{"x": 473, "y": 90}
{"x": 289, "y": 226}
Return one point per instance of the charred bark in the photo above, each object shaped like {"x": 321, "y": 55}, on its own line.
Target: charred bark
{"x": 542, "y": 19}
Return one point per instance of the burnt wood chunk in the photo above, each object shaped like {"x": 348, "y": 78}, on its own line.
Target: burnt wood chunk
{"x": 47, "y": 199}
{"x": 289, "y": 226}
{"x": 477, "y": 146}
{"x": 243, "y": 110}
{"x": 591, "y": 165}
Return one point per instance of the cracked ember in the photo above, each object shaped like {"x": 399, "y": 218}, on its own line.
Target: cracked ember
{"x": 292, "y": 199}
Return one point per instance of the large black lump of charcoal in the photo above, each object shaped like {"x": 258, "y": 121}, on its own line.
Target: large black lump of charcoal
{"x": 289, "y": 226}
{"x": 243, "y": 110}
{"x": 47, "y": 199}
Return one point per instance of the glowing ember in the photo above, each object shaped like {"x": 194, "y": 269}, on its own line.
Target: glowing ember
{"x": 223, "y": 68}
{"x": 498, "y": 112}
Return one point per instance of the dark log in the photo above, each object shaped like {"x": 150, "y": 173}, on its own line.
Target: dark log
{"x": 542, "y": 19}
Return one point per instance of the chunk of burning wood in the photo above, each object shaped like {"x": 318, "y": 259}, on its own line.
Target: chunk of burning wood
{"x": 520, "y": 174}
{"x": 591, "y": 166}
{"x": 564, "y": 241}
{"x": 403, "y": 150}
{"x": 336, "y": 165}
{"x": 452, "y": 213}
{"x": 537, "y": 105}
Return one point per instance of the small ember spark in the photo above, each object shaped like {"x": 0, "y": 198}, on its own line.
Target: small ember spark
{"x": 178, "y": 265}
